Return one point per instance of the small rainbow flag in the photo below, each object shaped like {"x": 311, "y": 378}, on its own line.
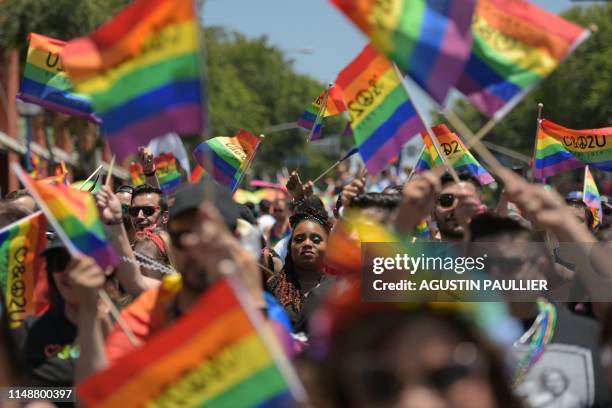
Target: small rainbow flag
{"x": 516, "y": 45}
{"x": 45, "y": 82}
{"x": 560, "y": 149}
{"x": 168, "y": 175}
{"x": 23, "y": 278}
{"x": 453, "y": 147}
{"x": 422, "y": 229}
{"x": 381, "y": 115}
{"x": 143, "y": 73}
{"x": 227, "y": 158}
{"x": 137, "y": 174}
{"x": 213, "y": 356}
{"x": 591, "y": 197}
{"x": 334, "y": 106}
{"x": 429, "y": 40}
{"x": 74, "y": 217}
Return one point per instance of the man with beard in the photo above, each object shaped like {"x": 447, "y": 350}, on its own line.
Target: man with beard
{"x": 148, "y": 207}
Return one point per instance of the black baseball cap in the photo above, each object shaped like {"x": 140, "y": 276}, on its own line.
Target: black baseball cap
{"x": 191, "y": 196}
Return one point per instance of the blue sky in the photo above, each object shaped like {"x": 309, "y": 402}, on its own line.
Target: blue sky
{"x": 292, "y": 25}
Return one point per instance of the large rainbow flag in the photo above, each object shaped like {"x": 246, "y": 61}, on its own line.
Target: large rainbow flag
{"x": 429, "y": 40}
{"x": 23, "y": 278}
{"x": 45, "y": 82}
{"x": 168, "y": 174}
{"x": 560, "y": 149}
{"x": 226, "y": 158}
{"x": 381, "y": 115}
{"x": 213, "y": 356}
{"x": 143, "y": 73}
{"x": 74, "y": 217}
{"x": 516, "y": 45}
{"x": 591, "y": 197}
{"x": 334, "y": 106}
{"x": 453, "y": 147}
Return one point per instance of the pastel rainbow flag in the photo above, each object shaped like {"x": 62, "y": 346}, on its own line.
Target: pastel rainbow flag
{"x": 137, "y": 174}
{"x": 516, "y": 45}
{"x": 382, "y": 117}
{"x": 453, "y": 147}
{"x": 429, "y": 40}
{"x": 591, "y": 197}
{"x": 45, "y": 82}
{"x": 213, "y": 356}
{"x": 23, "y": 279}
{"x": 334, "y": 106}
{"x": 560, "y": 149}
{"x": 227, "y": 158}
{"x": 168, "y": 175}
{"x": 74, "y": 217}
{"x": 143, "y": 73}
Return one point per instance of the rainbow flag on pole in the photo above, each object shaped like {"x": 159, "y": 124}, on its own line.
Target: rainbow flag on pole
{"x": 516, "y": 45}
{"x": 23, "y": 279}
{"x": 382, "y": 117}
{"x": 214, "y": 356}
{"x": 227, "y": 158}
{"x": 453, "y": 147}
{"x": 429, "y": 40}
{"x": 334, "y": 106}
{"x": 167, "y": 173}
{"x": 560, "y": 149}
{"x": 74, "y": 217}
{"x": 142, "y": 71}
{"x": 591, "y": 197}
{"x": 45, "y": 82}
{"x": 137, "y": 174}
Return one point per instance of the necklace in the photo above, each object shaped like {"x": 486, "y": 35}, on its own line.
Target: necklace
{"x": 539, "y": 335}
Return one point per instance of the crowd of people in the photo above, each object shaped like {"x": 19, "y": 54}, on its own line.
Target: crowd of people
{"x": 347, "y": 352}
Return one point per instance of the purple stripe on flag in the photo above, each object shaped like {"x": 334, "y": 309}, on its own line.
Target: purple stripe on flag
{"x": 185, "y": 119}
{"x": 58, "y": 108}
{"x": 105, "y": 256}
{"x": 560, "y": 167}
{"x": 380, "y": 159}
{"x": 486, "y": 101}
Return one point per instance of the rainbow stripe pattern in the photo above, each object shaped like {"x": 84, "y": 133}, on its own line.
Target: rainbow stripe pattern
{"x": 429, "y": 40}
{"x": 333, "y": 106}
{"x": 23, "y": 277}
{"x": 516, "y": 45}
{"x": 167, "y": 173}
{"x": 453, "y": 147}
{"x": 75, "y": 213}
{"x": 45, "y": 82}
{"x": 212, "y": 356}
{"x": 422, "y": 229}
{"x": 591, "y": 197}
{"x": 381, "y": 115}
{"x": 560, "y": 149}
{"x": 137, "y": 174}
{"x": 142, "y": 71}
{"x": 226, "y": 158}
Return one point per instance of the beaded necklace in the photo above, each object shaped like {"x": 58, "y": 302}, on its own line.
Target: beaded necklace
{"x": 539, "y": 335}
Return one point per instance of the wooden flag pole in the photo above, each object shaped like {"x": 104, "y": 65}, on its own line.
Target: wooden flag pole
{"x": 109, "y": 175}
{"x": 584, "y": 183}
{"x": 430, "y": 132}
{"x": 535, "y": 143}
{"x": 92, "y": 175}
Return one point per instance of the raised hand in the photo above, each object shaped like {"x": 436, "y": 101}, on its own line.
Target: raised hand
{"x": 297, "y": 189}
{"x": 109, "y": 206}
{"x": 418, "y": 200}
{"x": 86, "y": 278}
{"x": 145, "y": 157}
{"x": 353, "y": 189}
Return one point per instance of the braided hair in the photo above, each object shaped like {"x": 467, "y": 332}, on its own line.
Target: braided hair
{"x": 286, "y": 285}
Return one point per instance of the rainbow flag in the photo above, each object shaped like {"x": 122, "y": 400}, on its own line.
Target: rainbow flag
{"x": 167, "y": 173}
{"x": 560, "y": 149}
{"x": 429, "y": 40}
{"x": 381, "y": 115}
{"x": 516, "y": 45}
{"x": 453, "y": 147}
{"x": 143, "y": 73}
{"x": 137, "y": 174}
{"x": 422, "y": 229}
{"x": 334, "y": 106}
{"x": 23, "y": 279}
{"x": 75, "y": 218}
{"x": 226, "y": 158}
{"x": 45, "y": 82}
{"x": 213, "y": 356}
{"x": 591, "y": 197}
{"x": 196, "y": 174}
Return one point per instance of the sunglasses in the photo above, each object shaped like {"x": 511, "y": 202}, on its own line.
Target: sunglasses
{"x": 147, "y": 210}
{"x": 446, "y": 200}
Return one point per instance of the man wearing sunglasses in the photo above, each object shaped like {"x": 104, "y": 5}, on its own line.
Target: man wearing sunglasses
{"x": 148, "y": 208}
